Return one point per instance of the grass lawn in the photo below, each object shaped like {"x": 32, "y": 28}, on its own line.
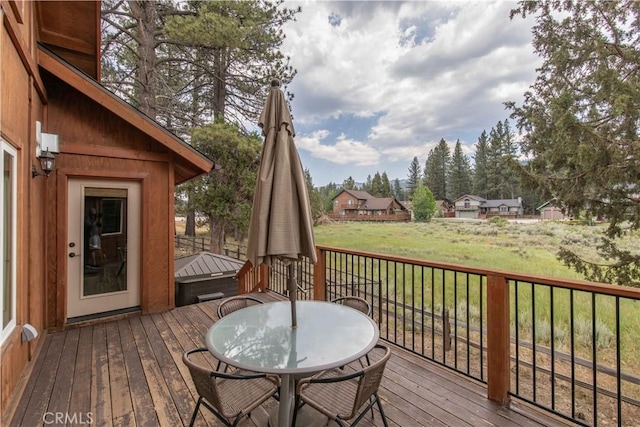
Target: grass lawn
{"x": 524, "y": 248}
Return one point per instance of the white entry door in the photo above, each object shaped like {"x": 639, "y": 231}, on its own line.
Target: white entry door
{"x": 103, "y": 246}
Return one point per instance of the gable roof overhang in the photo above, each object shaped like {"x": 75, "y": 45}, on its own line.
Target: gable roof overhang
{"x": 472, "y": 197}
{"x": 71, "y": 29}
{"x": 189, "y": 163}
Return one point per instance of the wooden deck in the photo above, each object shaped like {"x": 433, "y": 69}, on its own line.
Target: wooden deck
{"x": 130, "y": 373}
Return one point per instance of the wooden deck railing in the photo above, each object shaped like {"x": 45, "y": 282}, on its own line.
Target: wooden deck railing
{"x": 567, "y": 346}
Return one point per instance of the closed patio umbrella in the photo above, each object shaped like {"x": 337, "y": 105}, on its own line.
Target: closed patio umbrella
{"x": 281, "y": 225}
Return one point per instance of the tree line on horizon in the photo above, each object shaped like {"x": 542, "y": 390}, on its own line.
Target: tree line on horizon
{"x": 450, "y": 175}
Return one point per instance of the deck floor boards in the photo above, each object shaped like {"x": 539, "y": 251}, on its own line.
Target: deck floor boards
{"x": 130, "y": 373}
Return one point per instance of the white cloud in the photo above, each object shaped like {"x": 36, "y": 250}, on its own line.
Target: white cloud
{"x": 427, "y": 70}
{"x": 344, "y": 151}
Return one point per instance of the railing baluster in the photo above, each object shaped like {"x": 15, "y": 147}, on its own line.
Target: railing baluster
{"x": 534, "y": 372}
{"x": 482, "y": 311}
{"x": 594, "y": 358}
{"x": 573, "y": 355}
{"x": 468, "y": 337}
{"x": 553, "y": 351}
{"x": 433, "y": 312}
{"x": 618, "y": 363}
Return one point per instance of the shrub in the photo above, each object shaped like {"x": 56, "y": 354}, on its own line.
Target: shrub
{"x": 584, "y": 333}
{"x": 498, "y": 221}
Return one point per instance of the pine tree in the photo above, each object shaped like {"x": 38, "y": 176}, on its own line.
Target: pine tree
{"x": 459, "y": 174}
{"x": 435, "y": 171}
{"x": 579, "y": 122}
{"x": 375, "y": 188}
{"x": 386, "y": 190}
{"x": 398, "y": 192}
{"x": 481, "y": 160}
{"x": 413, "y": 178}
{"x": 349, "y": 184}
{"x": 495, "y": 180}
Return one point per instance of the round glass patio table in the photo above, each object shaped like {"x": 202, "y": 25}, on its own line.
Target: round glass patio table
{"x": 260, "y": 338}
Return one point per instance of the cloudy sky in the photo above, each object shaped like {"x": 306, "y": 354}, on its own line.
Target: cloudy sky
{"x": 380, "y": 83}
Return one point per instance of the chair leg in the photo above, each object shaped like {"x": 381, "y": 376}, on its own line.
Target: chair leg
{"x": 296, "y": 404}
{"x": 195, "y": 412}
{"x": 384, "y": 418}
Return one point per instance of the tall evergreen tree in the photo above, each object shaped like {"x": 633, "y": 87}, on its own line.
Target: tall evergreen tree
{"x": 459, "y": 174}
{"x": 398, "y": 192}
{"x": 414, "y": 177}
{"x": 367, "y": 185}
{"x": 314, "y": 196}
{"x": 226, "y": 198}
{"x": 511, "y": 181}
{"x": 495, "y": 173}
{"x": 327, "y": 193}
{"x": 580, "y": 122}
{"x": 186, "y": 63}
{"x": 349, "y": 184}
{"x": 435, "y": 171}
{"x": 386, "y": 190}
{"x": 376, "y": 185}
{"x": 481, "y": 166}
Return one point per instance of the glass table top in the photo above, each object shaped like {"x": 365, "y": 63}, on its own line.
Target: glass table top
{"x": 261, "y": 338}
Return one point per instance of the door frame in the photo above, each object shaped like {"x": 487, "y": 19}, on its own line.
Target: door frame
{"x": 57, "y": 306}
{"x": 114, "y": 301}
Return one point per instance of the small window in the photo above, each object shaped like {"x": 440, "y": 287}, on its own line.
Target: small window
{"x": 8, "y": 204}
{"x": 467, "y": 204}
{"x": 112, "y": 216}
{"x": 350, "y": 202}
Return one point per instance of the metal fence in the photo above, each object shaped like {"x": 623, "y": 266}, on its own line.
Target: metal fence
{"x": 570, "y": 347}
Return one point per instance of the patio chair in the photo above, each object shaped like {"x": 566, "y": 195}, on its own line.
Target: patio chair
{"x": 341, "y": 395}
{"x": 229, "y": 396}
{"x": 359, "y": 304}
{"x": 231, "y": 304}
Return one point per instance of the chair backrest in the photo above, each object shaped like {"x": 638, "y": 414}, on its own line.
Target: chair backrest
{"x": 202, "y": 379}
{"x": 369, "y": 382}
{"x": 231, "y": 304}
{"x": 358, "y": 303}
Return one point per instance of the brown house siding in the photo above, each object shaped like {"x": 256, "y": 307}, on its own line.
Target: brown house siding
{"x": 21, "y": 104}
{"x": 109, "y": 148}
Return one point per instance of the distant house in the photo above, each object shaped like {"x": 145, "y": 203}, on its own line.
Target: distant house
{"x": 476, "y": 207}
{"x": 355, "y": 205}
{"x": 551, "y": 211}
{"x": 446, "y": 208}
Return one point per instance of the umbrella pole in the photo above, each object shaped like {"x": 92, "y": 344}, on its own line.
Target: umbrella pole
{"x": 293, "y": 292}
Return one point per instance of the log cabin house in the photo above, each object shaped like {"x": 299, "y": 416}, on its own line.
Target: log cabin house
{"x": 356, "y": 205}
{"x": 114, "y": 177}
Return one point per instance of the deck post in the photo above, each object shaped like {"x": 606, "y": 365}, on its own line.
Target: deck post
{"x": 319, "y": 276}
{"x": 263, "y": 277}
{"x": 498, "y": 339}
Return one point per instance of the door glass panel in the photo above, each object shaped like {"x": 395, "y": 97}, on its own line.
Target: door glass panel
{"x": 105, "y": 241}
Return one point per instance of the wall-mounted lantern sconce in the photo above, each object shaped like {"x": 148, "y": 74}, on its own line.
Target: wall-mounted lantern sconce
{"x": 47, "y": 164}
{"x": 46, "y": 145}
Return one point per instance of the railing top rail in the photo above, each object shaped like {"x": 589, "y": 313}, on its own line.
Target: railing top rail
{"x": 580, "y": 285}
